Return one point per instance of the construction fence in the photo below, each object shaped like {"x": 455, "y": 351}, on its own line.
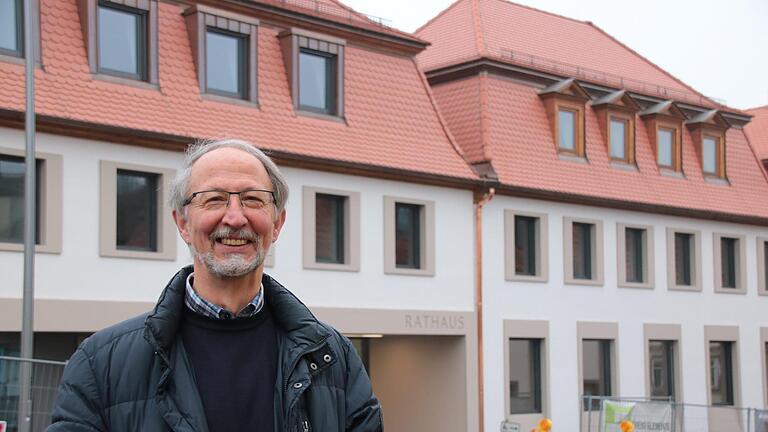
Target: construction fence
{"x": 45, "y": 380}
{"x": 606, "y": 413}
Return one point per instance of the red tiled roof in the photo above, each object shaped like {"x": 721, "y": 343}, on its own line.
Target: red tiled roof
{"x": 757, "y": 131}
{"x": 519, "y": 140}
{"x": 498, "y": 29}
{"x": 390, "y": 119}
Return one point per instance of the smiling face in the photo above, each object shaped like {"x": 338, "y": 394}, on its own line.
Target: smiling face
{"x": 232, "y": 241}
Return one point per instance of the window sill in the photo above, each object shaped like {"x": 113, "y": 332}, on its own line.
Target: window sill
{"x": 523, "y": 278}
{"x": 409, "y": 272}
{"x": 716, "y": 180}
{"x": 572, "y": 158}
{"x": 684, "y": 288}
{"x": 624, "y": 166}
{"x": 147, "y": 255}
{"x": 230, "y": 100}
{"x": 321, "y": 116}
{"x": 635, "y": 285}
{"x": 18, "y": 60}
{"x": 125, "y": 81}
{"x": 666, "y": 172}
{"x": 332, "y": 267}
{"x": 719, "y": 290}
{"x": 19, "y": 247}
{"x": 584, "y": 282}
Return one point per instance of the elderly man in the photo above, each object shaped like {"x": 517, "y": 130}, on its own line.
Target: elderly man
{"x": 227, "y": 348}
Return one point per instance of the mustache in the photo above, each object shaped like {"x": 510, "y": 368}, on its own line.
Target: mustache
{"x": 226, "y": 232}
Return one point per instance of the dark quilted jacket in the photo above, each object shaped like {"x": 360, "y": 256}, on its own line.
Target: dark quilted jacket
{"x": 135, "y": 376}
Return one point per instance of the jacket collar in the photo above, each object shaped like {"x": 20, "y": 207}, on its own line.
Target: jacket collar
{"x": 289, "y": 313}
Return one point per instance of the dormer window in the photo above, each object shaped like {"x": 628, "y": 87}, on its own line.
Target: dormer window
{"x": 708, "y": 133}
{"x": 616, "y": 116}
{"x": 224, "y": 47}
{"x": 315, "y": 68}
{"x": 664, "y": 124}
{"x": 11, "y": 26}
{"x": 564, "y": 102}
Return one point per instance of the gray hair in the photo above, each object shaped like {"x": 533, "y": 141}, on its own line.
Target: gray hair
{"x": 195, "y": 151}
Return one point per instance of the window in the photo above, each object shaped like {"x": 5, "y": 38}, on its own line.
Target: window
{"x": 526, "y": 246}
{"x": 666, "y": 149}
{"x": 708, "y": 130}
{"x": 47, "y": 201}
{"x": 524, "y": 376}
{"x": 764, "y": 353}
{"x": 620, "y": 139}
{"x": 635, "y": 260}
{"x": 315, "y": 65}
{"x": 709, "y": 155}
{"x": 662, "y": 372}
{"x": 596, "y": 361}
{"x": 409, "y": 236}
{"x": 11, "y": 27}
{"x": 683, "y": 259}
{"x": 762, "y": 265}
{"x": 135, "y": 222}
{"x": 730, "y": 272}
{"x": 567, "y": 128}
{"x": 526, "y": 389}
{"x": 583, "y": 251}
{"x": 331, "y": 229}
{"x": 721, "y": 373}
{"x": 121, "y": 39}
{"x": 122, "y": 34}
{"x": 224, "y": 45}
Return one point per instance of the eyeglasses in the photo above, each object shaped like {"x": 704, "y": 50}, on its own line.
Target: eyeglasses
{"x": 213, "y": 200}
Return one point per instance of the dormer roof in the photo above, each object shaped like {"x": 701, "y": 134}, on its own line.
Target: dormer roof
{"x": 709, "y": 118}
{"x": 617, "y": 99}
{"x": 667, "y": 108}
{"x": 567, "y": 87}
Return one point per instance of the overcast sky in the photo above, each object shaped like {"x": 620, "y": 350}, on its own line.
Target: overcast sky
{"x": 719, "y": 47}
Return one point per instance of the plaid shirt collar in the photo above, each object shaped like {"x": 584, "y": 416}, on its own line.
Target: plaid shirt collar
{"x": 203, "y": 307}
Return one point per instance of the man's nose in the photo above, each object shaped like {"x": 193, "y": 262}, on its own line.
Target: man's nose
{"x": 234, "y": 215}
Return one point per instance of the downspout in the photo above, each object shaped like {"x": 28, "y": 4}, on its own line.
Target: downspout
{"x": 480, "y": 201}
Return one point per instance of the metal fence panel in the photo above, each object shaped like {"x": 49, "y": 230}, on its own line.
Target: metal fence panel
{"x": 45, "y": 381}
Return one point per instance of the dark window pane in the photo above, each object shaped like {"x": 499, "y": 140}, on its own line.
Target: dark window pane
{"x": 683, "y": 258}
{"x": 567, "y": 125}
{"x": 136, "y": 210}
{"x": 525, "y": 245}
{"x": 226, "y": 63}
{"x": 665, "y": 142}
{"x": 408, "y": 235}
{"x": 709, "y": 151}
{"x": 12, "y": 199}
{"x": 524, "y": 376}
{"x": 634, "y": 243}
{"x": 11, "y": 24}
{"x": 596, "y": 364}
{"x": 121, "y": 34}
{"x": 728, "y": 260}
{"x": 317, "y": 82}
{"x": 662, "y": 371}
{"x": 765, "y": 267}
{"x": 329, "y": 228}
{"x": 582, "y": 250}
{"x": 721, "y": 373}
{"x": 618, "y": 139}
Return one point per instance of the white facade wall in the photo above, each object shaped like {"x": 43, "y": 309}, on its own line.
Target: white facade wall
{"x": 79, "y": 273}
{"x": 564, "y": 305}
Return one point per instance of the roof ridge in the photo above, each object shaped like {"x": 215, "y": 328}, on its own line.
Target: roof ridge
{"x": 434, "y": 18}
{"x": 654, "y": 65}
{"x": 477, "y": 25}
{"x": 544, "y": 12}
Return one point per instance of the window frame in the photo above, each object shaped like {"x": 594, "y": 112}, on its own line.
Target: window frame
{"x": 597, "y": 252}
{"x": 542, "y": 247}
{"x": 608, "y": 331}
{"x": 579, "y": 146}
{"x": 764, "y": 363}
{"x": 351, "y": 229}
{"x": 17, "y": 56}
{"x": 762, "y": 266}
{"x": 19, "y": 51}
{"x": 730, "y": 334}
{"x": 89, "y": 10}
{"x": 676, "y": 166}
{"x": 629, "y": 137}
{"x": 50, "y": 223}
{"x": 719, "y": 156}
{"x": 166, "y": 229}
{"x": 141, "y": 41}
{"x": 648, "y": 256}
{"x": 200, "y": 19}
{"x": 531, "y": 330}
{"x": 695, "y": 264}
{"x": 292, "y": 43}
{"x": 427, "y": 234}
{"x": 667, "y": 333}
{"x": 740, "y": 271}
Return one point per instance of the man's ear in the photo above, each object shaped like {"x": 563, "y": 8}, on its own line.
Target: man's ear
{"x": 278, "y": 225}
{"x": 181, "y": 224}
